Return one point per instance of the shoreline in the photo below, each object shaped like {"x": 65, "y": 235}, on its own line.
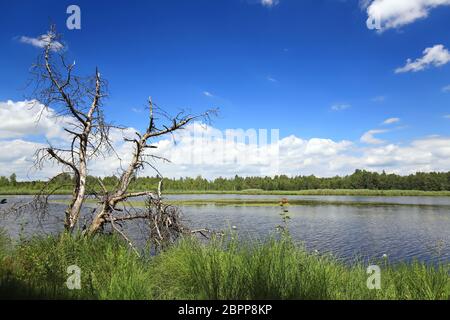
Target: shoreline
{"x": 312, "y": 192}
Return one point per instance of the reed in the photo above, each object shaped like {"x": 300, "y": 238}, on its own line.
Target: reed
{"x": 220, "y": 269}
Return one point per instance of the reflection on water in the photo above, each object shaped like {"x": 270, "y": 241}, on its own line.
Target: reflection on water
{"x": 402, "y": 232}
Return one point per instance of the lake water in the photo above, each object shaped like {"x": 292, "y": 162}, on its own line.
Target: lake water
{"x": 418, "y": 228}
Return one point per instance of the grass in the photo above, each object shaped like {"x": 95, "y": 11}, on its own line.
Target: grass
{"x": 220, "y": 269}
{"x": 315, "y": 192}
{"x": 37, "y": 268}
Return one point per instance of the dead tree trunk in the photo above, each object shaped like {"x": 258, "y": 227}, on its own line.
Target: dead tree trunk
{"x": 141, "y": 144}
{"x": 67, "y": 94}
{"x": 78, "y": 102}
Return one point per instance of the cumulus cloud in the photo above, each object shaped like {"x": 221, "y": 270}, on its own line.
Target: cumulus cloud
{"x": 208, "y": 94}
{"x": 204, "y": 150}
{"x": 397, "y": 13}
{"x": 391, "y": 121}
{"x": 369, "y": 137}
{"x": 293, "y": 155}
{"x": 41, "y": 42}
{"x": 17, "y": 156}
{"x": 435, "y": 56}
{"x": 24, "y": 118}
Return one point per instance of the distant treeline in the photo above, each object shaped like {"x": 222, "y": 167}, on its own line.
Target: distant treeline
{"x": 360, "y": 179}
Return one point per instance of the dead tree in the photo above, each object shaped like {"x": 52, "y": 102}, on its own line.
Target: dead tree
{"x": 140, "y": 159}
{"x": 78, "y": 103}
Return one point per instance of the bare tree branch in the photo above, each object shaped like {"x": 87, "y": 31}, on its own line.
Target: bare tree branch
{"x": 78, "y": 102}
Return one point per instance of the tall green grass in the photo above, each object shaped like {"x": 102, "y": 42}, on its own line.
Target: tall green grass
{"x": 219, "y": 269}
{"x": 279, "y": 269}
{"x": 37, "y": 268}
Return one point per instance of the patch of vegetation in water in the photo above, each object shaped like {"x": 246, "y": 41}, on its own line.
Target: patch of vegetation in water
{"x": 270, "y": 203}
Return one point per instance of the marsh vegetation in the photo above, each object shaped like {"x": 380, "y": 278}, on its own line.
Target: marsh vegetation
{"x": 220, "y": 269}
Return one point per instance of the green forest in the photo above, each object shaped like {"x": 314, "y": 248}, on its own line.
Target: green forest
{"x": 360, "y": 179}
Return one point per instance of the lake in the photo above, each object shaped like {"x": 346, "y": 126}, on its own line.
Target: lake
{"x": 403, "y": 228}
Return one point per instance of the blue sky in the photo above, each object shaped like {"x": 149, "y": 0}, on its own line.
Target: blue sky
{"x": 310, "y": 68}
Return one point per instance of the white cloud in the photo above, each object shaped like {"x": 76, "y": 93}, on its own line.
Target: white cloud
{"x": 41, "y": 42}
{"x": 18, "y": 156}
{"x": 397, "y": 13}
{"x": 294, "y": 155}
{"x": 192, "y": 156}
{"x": 369, "y": 137}
{"x": 325, "y": 147}
{"x": 436, "y": 56}
{"x": 208, "y": 94}
{"x": 271, "y": 79}
{"x": 447, "y": 116}
{"x": 20, "y": 119}
{"x": 446, "y": 88}
{"x": 269, "y": 3}
{"x": 391, "y": 121}
{"x": 340, "y": 106}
